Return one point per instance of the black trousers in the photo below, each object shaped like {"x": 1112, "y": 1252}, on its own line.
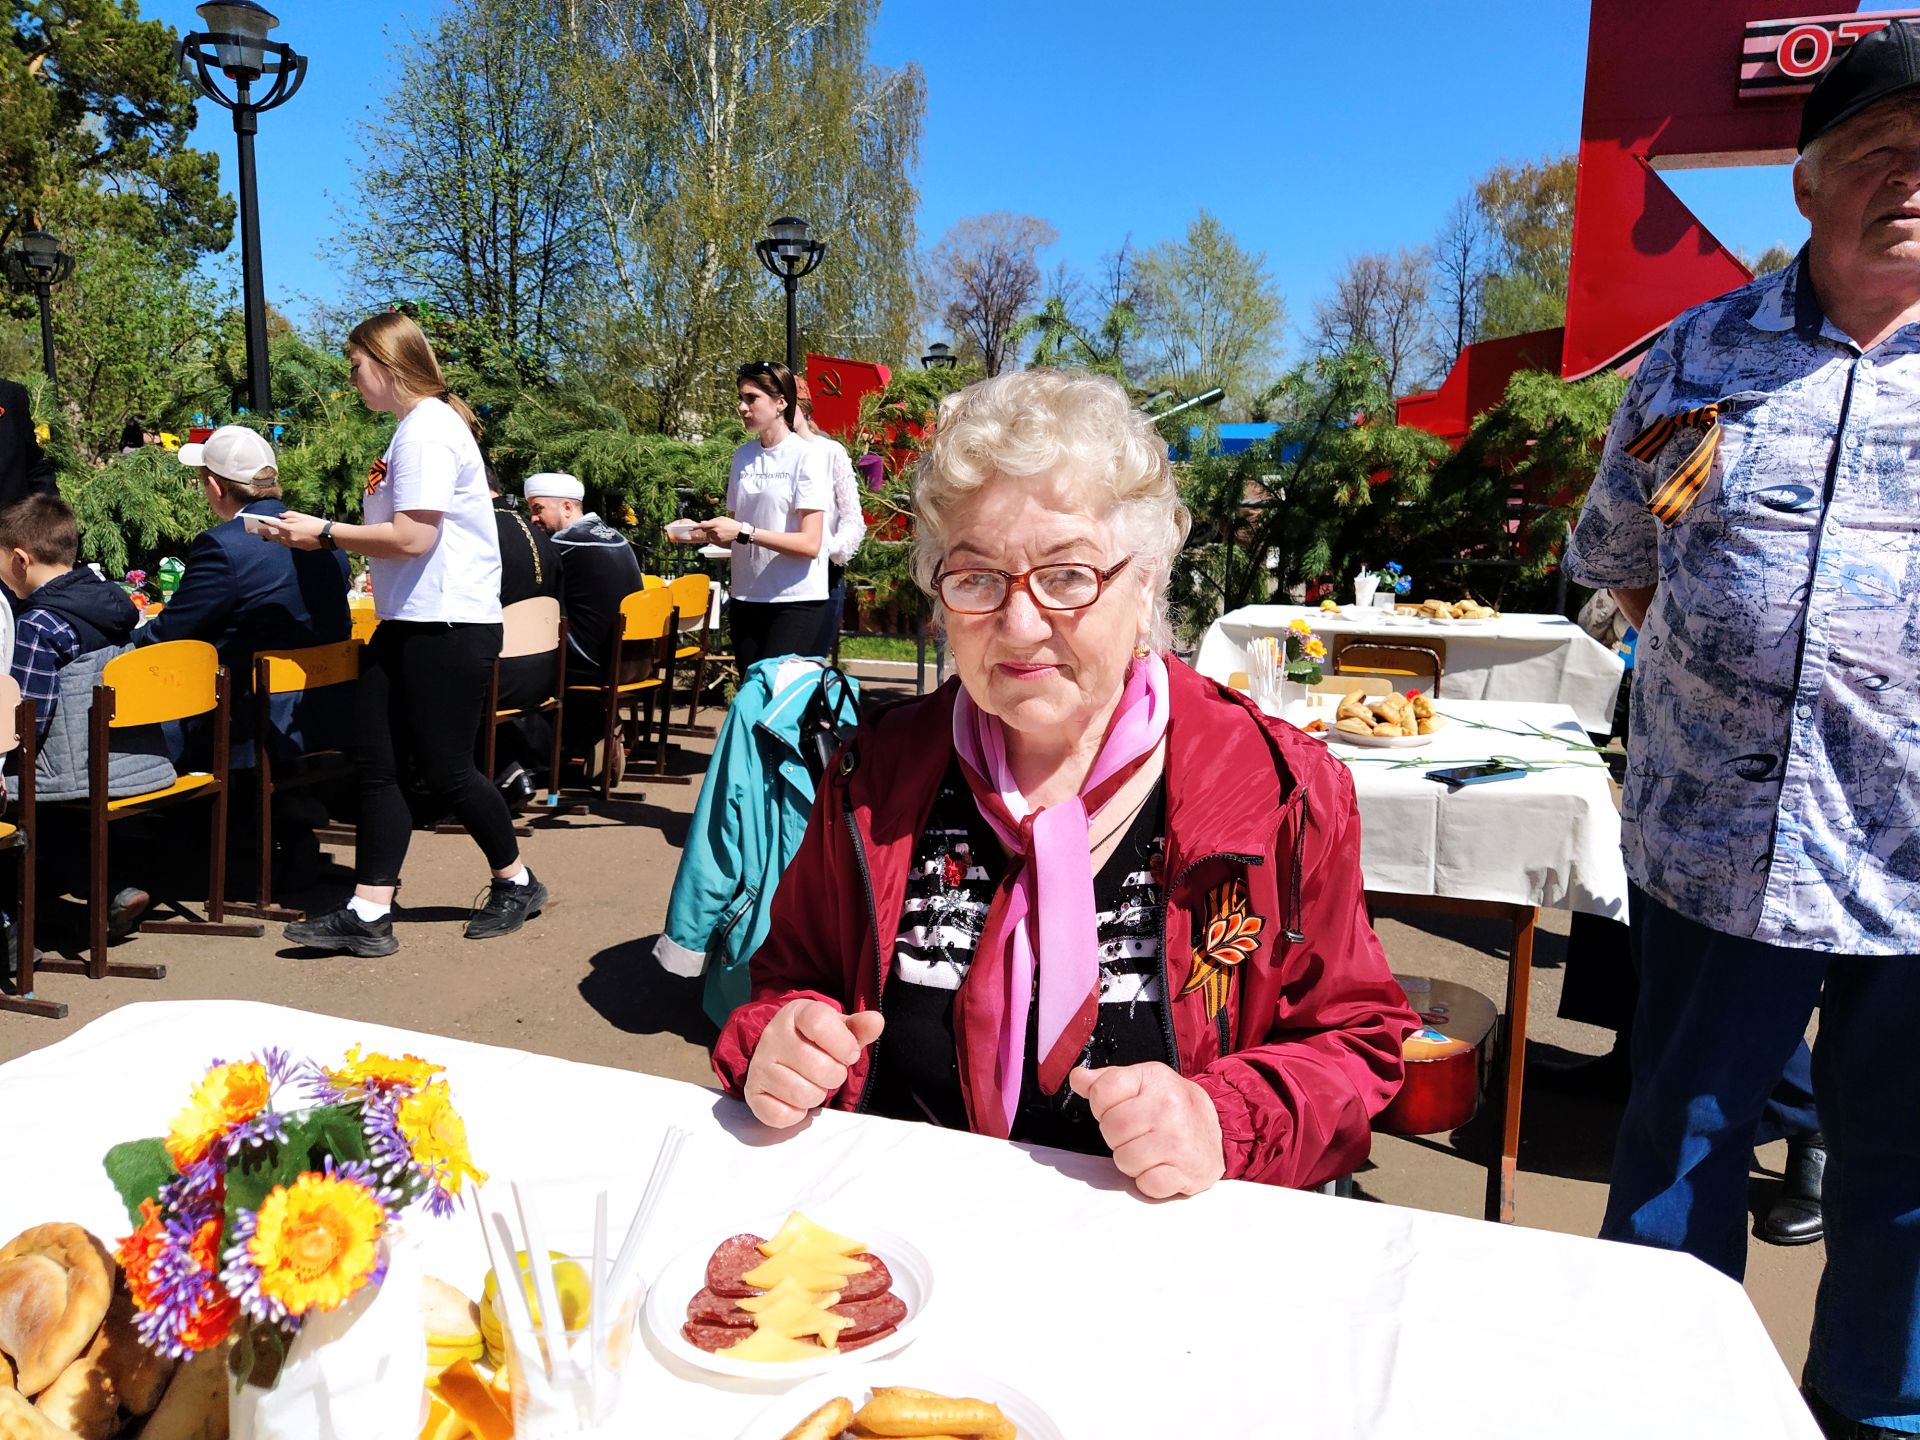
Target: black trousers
{"x": 526, "y": 740}
{"x": 763, "y": 629}
{"x": 834, "y": 611}
{"x": 422, "y": 689}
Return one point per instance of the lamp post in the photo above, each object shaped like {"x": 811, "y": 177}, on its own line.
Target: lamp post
{"x": 787, "y": 252}
{"x": 38, "y": 261}
{"x": 235, "y": 45}
{"x": 939, "y": 356}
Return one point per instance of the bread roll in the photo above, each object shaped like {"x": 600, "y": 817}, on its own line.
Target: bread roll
{"x": 55, "y": 1282}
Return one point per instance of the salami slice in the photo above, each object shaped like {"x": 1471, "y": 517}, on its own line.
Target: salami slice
{"x": 864, "y": 1317}
{"x": 876, "y": 1279}
{"x": 707, "y": 1308}
{"x": 712, "y": 1338}
{"x": 868, "y": 1339}
{"x": 731, "y": 1260}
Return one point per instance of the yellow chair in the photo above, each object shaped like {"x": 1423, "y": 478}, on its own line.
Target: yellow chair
{"x": 653, "y": 582}
{"x": 365, "y": 622}
{"x": 176, "y": 680}
{"x": 1424, "y": 659}
{"x": 633, "y": 670}
{"x": 17, "y": 738}
{"x": 292, "y": 672}
{"x": 530, "y": 627}
{"x": 692, "y": 600}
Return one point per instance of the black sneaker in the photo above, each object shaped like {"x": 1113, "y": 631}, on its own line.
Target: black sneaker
{"x": 124, "y": 912}
{"x": 506, "y": 908}
{"x": 517, "y": 789}
{"x": 342, "y": 931}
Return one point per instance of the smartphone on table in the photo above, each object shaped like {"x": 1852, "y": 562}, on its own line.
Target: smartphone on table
{"x": 1458, "y": 775}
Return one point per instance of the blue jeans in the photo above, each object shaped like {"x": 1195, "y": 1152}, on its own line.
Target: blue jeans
{"x": 1718, "y": 1018}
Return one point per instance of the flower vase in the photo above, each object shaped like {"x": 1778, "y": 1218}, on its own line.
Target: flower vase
{"x": 1364, "y": 586}
{"x": 355, "y": 1373}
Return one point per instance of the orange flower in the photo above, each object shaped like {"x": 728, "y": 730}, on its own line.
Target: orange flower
{"x": 225, "y": 1097}
{"x": 139, "y": 1250}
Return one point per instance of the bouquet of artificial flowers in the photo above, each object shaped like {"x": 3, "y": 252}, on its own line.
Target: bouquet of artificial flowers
{"x": 1306, "y": 653}
{"x": 274, "y": 1195}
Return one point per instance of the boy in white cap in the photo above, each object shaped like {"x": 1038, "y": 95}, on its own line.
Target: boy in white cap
{"x": 598, "y": 568}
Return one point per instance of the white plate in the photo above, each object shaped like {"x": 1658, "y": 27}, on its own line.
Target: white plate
{"x": 686, "y": 1274}
{"x": 790, "y": 1409}
{"x": 1388, "y": 617}
{"x": 1463, "y": 620}
{"x": 1379, "y": 742}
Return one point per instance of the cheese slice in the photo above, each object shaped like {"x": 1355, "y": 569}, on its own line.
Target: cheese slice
{"x": 799, "y": 1313}
{"x": 755, "y": 1304}
{"x": 814, "y": 1268}
{"x": 799, "y": 1229}
{"x": 766, "y": 1346}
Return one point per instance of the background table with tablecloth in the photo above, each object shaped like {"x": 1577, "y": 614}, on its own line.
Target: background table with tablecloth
{"x": 1244, "y": 1312}
{"x": 1514, "y": 657}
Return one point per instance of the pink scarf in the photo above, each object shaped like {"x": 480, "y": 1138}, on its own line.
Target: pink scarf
{"x": 1042, "y": 917}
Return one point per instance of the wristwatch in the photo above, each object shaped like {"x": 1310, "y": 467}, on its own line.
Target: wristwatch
{"x": 747, "y": 532}
{"x": 327, "y": 542}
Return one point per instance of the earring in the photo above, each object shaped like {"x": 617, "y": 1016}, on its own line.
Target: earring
{"x": 1140, "y": 651}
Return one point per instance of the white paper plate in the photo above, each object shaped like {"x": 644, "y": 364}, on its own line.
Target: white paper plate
{"x": 682, "y": 530}
{"x": 1379, "y": 742}
{"x": 1463, "y": 620}
{"x": 1388, "y": 617}
{"x": 686, "y": 1274}
{"x": 790, "y": 1409}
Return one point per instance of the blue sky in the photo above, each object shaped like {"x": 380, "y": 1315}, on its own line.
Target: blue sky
{"x": 1314, "y": 132}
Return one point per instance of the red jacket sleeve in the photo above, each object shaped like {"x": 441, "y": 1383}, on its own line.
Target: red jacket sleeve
{"x": 1298, "y": 1109}
{"x": 805, "y": 954}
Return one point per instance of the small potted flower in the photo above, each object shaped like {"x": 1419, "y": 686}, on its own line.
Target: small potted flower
{"x": 1306, "y": 656}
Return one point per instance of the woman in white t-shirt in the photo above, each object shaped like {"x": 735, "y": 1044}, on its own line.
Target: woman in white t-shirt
{"x": 777, "y": 497}
{"x": 846, "y": 524}
{"x": 433, "y": 548}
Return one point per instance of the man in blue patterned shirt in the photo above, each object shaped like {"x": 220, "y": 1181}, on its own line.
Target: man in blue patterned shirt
{"x": 1757, "y": 513}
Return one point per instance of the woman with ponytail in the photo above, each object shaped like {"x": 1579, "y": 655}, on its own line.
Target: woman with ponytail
{"x": 428, "y": 532}
{"x": 778, "y": 492}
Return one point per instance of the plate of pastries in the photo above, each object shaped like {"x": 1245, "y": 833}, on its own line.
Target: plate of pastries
{"x": 1389, "y": 722}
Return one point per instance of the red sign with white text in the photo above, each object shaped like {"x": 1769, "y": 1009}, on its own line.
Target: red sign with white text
{"x": 1785, "y": 57}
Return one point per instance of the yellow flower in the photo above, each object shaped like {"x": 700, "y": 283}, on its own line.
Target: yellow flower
{"x": 1315, "y": 648}
{"x": 438, "y": 1137}
{"x": 225, "y": 1096}
{"x": 317, "y": 1242}
{"x": 383, "y": 1072}
{"x": 1299, "y": 627}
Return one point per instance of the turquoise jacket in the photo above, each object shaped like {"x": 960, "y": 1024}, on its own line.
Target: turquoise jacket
{"x": 747, "y": 825}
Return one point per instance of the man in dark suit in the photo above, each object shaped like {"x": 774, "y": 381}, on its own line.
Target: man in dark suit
{"x": 242, "y": 594}
{"x": 24, "y": 468}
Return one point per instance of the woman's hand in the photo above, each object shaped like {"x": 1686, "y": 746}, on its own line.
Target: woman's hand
{"x": 803, "y": 1057}
{"x": 1161, "y": 1127}
{"x": 292, "y": 529}
{"x": 722, "y": 529}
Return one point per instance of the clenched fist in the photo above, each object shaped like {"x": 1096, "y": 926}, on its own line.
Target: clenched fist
{"x": 1161, "y": 1127}
{"x": 803, "y": 1057}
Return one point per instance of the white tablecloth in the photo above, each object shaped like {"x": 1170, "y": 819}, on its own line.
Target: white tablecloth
{"x": 1549, "y": 838}
{"x": 1245, "y": 1312}
{"x": 1517, "y": 657}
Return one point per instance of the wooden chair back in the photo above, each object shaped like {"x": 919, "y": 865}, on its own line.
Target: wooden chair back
{"x": 647, "y": 614}
{"x": 365, "y": 622}
{"x": 530, "y": 627}
{"x": 653, "y": 582}
{"x": 313, "y": 667}
{"x": 156, "y": 683}
{"x": 1422, "y": 660}
{"x": 17, "y": 734}
{"x": 691, "y": 597}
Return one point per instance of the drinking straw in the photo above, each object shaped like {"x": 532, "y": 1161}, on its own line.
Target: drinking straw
{"x": 602, "y": 1297}
{"x": 663, "y": 1165}
{"x": 541, "y": 1266}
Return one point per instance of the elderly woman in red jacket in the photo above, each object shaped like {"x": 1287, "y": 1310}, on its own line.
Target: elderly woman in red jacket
{"x": 1083, "y": 897}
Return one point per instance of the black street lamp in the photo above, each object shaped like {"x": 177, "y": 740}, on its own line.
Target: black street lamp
{"x": 235, "y": 44}
{"x": 38, "y": 261}
{"x": 939, "y": 356}
{"x": 788, "y": 253}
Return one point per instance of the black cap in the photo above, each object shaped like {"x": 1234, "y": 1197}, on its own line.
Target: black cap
{"x": 1872, "y": 68}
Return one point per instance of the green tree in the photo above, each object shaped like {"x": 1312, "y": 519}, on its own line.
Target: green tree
{"x": 987, "y": 269}
{"x": 1083, "y": 328}
{"x": 94, "y": 121}
{"x": 1498, "y": 511}
{"x": 1529, "y": 212}
{"x": 472, "y": 195}
{"x": 1212, "y": 314}
{"x": 702, "y": 120}
{"x": 1328, "y": 492}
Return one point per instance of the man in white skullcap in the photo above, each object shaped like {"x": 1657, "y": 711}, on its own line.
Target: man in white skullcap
{"x": 598, "y": 568}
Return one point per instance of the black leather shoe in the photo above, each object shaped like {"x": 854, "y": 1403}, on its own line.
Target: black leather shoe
{"x": 1795, "y": 1218}
{"x": 341, "y": 932}
{"x": 1836, "y": 1426}
{"x": 506, "y": 908}
{"x": 124, "y": 912}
